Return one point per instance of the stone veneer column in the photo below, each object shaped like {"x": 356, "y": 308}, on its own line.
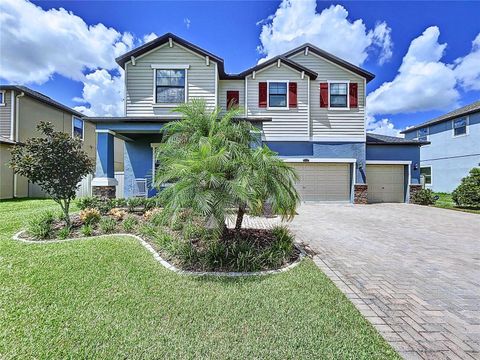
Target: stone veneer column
{"x": 414, "y": 188}
{"x": 104, "y": 191}
{"x": 360, "y": 192}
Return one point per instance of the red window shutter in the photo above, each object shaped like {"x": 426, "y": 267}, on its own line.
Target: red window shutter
{"x": 233, "y": 99}
{"x": 262, "y": 94}
{"x": 353, "y": 95}
{"x": 292, "y": 94}
{"x": 323, "y": 95}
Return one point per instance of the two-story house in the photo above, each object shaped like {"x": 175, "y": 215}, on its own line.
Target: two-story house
{"x": 21, "y": 109}
{"x": 454, "y": 147}
{"x": 309, "y": 104}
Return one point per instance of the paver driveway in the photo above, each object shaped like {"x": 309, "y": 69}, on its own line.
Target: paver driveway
{"x": 413, "y": 271}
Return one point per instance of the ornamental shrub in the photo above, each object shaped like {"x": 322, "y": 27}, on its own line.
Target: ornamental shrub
{"x": 424, "y": 197}
{"x": 468, "y": 192}
{"x": 90, "y": 216}
{"x": 40, "y": 226}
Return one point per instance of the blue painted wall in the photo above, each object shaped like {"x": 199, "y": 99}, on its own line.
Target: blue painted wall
{"x": 105, "y": 166}
{"x": 451, "y": 158}
{"x": 138, "y": 162}
{"x": 298, "y": 149}
{"x": 398, "y": 153}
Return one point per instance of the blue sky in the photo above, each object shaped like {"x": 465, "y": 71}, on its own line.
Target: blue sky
{"x": 232, "y": 31}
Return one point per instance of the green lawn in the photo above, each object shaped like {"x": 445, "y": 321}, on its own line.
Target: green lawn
{"x": 445, "y": 201}
{"x": 107, "y": 298}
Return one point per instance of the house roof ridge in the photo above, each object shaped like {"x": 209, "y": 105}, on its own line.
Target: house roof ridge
{"x": 142, "y": 49}
{"x": 42, "y": 98}
{"x": 464, "y": 110}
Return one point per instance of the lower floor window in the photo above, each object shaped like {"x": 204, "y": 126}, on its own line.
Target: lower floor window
{"x": 426, "y": 174}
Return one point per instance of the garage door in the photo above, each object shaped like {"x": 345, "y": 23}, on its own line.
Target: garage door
{"x": 323, "y": 182}
{"x": 385, "y": 183}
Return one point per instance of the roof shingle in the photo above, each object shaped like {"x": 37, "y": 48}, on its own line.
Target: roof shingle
{"x": 465, "y": 110}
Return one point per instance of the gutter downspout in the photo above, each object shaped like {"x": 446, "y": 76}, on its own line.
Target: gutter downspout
{"x": 15, "y": 177}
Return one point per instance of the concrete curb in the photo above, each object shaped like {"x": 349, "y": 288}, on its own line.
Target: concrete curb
{"x": 168, "y": 265}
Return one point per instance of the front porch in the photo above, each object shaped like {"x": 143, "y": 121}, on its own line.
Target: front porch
{"x": 139, "y": 137}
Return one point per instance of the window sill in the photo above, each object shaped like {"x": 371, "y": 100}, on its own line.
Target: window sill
{"x": 166, "y": 105}
{"x": 2, "y": 104}
{"x": 459, "y": 136}
{"x": 278, "y": 108}
{"x": 339, "y": 108}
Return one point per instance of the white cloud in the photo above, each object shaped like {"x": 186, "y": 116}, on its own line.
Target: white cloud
{"x": 149, "y": 37}
{"x": 423, "y": 81}
{"x": 103, "y": 94}
{"x": 187, "y": 22}
{"x": 36, "y": 43}
{"x": 467, "y": 69}
{"x": 296, "y": 22}
{"x": 382, "y": 126}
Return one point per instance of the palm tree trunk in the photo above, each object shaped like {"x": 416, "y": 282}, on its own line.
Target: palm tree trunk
{"x": 240, "y": 214}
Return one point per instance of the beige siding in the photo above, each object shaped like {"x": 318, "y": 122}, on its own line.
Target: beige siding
{"x": 333, "y": 123}
{"x": 5, "y": 114}
{"x": 291, "y": 123}
{"x": 6, "y": 174}
{"x": 226, "y": 85}
{"x": 201, "y": 80}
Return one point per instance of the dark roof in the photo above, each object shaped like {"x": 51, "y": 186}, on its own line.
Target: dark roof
{"x": 377, "y": 139}
{"x": 5, "y": 140}
{"x": 466, "y": 110}
{"x": 288, "y": 62}
{"x": 41, "y": 97}
{"x": 121, "y": 60}
{"x": 160, "y": 119}
{"x": 336, "y": 60}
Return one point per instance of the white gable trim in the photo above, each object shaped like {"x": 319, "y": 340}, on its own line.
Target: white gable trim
{"x": 167, "y": 44}
{"x": 330, "y": 62}
{"x": 275, "y": 65}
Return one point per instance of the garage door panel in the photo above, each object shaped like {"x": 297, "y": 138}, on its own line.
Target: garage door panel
{"x": 386, "y": 183}
{"x": 322, "y": 181}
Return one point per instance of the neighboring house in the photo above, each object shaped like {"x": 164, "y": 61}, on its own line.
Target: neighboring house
{"x": 454, "y": 147}
{"x": 21, "y": 109}
{"x": 309, "y": 104}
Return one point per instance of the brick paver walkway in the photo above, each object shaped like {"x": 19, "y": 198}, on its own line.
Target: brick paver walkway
{"x": 413, "y": 272}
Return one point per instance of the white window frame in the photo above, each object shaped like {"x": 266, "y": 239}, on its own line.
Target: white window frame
{"x": 3, "y": 92}
{"x": 268, "y": 95}
{"x": 428, "y": 133}
{"x": 431, "y": 174}
{"x": 347, "y": 82}
{"x": 73, "y": 126}
{"x": 467, "y": 118}
{"x": 156, "y": 67}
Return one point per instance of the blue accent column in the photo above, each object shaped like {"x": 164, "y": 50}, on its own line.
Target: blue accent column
{"x": 105, "y": 161}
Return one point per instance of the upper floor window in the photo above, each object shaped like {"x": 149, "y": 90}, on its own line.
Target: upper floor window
{"x": 170, "y": 86}
{"x": 422, "y": 134}
{"x": 277, "y": 94}
{"x": 77, "y": 127}
{"x": 338, "y": 95}
{"x": 2, "y": 98}
{"x": 460, "y": 126}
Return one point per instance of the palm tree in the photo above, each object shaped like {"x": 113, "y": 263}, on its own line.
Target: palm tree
{"x": 215, "y": 171}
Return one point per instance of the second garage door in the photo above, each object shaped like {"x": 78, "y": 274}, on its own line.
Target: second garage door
{"x": 323, "y": 181}
{"x": 386, "y": 183}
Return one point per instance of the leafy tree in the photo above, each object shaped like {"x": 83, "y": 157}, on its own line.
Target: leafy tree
{"x": 56, "y": 162}
{"x": 214, "y": 170}
{"x": 468, "y": 192}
